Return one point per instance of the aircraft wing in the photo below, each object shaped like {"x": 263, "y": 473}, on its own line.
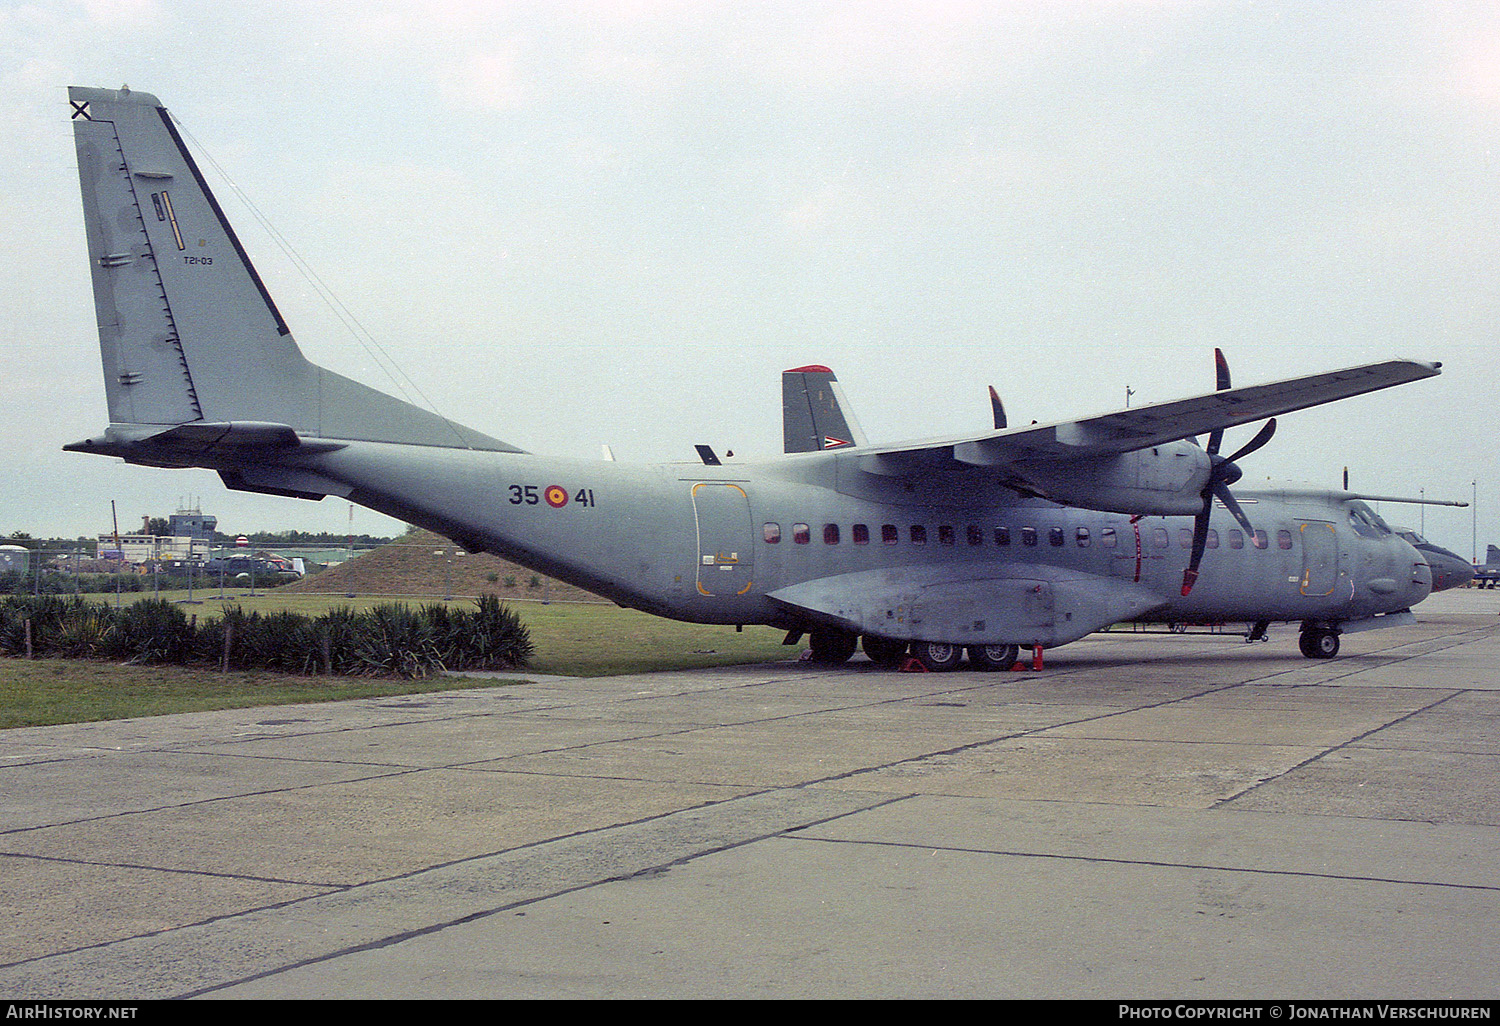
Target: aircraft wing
{"x": 1144, "y": 426}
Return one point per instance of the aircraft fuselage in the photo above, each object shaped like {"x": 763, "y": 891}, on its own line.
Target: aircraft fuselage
{"x": 811, "y": 540}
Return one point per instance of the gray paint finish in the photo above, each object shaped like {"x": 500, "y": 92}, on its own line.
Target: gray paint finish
{"x": 891, "y": 541}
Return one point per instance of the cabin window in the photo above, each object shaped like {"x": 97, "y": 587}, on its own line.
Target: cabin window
{"x": 889, "y": 535}
{"x": 1213, "y": 538}
{"x": 1002, "y": 536}
{"x": 861, "y": 533}
{"x": 1108, "y": 538}
{"x": 945, "y": 534}
{"x": 801, "y": 534}
{"x": 1259, "y": 540}
{"x": 771, "y": 533}
{"x": 1283, "y": 539}
{"x": 1055, "y": 536}
{"x": 1159, "y": 537}
{"x": 1236, "y": 539}
{"x": 918, "y": 534}
{"x": 1028, "y": 536}
{"x": 830, "y": 534}
{"x": 1082, "y": 537}
{"x": 1185, "y": 537}
{"x": 976, "y": 535}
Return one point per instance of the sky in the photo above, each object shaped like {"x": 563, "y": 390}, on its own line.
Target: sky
{"x": 575, "y": 224}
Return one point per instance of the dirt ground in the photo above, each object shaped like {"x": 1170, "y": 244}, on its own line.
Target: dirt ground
{"x": 423, "y": 563}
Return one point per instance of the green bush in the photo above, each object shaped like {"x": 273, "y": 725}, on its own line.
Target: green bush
{"x": 150, "y": 631}
{"x": 387, "y": 640}
{"x": 395, "y": 640}
{"x": 494, "y": 638}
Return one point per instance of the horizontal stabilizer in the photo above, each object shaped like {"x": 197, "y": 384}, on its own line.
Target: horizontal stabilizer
{"x": 200, "y": 443}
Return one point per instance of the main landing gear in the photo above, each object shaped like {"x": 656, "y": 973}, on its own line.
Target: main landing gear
{"x": 1318, "y": 642}
{"x": 937, "y": 656}
{"x": 993, "y": 657}
{"x": 832, "y": 647}
{"x": 885, "y": 651}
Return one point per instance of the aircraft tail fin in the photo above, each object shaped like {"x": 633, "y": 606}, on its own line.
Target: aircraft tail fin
{"x": 814, "y": 414}
{"x": 1492, "y": 555}
{"x": 187, "y": 330}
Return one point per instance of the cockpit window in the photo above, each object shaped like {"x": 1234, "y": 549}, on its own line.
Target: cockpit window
{"x": 1366, "y": 521}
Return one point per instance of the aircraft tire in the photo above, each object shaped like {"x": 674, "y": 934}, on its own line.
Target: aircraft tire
{"x": 885, "y": 651}
{"x": 993, "y": 657}
{"x": 1319, "y": 643}
{"x": 832, "y": 647}
{"x": 937, "y": 656}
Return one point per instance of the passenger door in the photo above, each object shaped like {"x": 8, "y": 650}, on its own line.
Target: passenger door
{"x": 725, "y": 541}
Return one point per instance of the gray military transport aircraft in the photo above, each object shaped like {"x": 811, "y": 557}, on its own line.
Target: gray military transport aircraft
{"x": 1035, "y": 535}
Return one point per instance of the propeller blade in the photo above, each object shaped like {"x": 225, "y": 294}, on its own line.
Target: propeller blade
{"x": 1224, "y": 474}
{"x": 1221, "y": 376}
{"x": 1200, "y": 542}
{"x": 998, "y": 408}
{"x": 1222, "y": 493}
{"x": 1261, "y": 438}
{"x": 1221, "y": 369}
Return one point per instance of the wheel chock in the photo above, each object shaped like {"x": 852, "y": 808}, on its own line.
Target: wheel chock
{"x": 913, "y": 665}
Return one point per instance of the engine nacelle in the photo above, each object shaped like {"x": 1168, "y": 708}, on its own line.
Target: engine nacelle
{"x": 1161, "y": 480}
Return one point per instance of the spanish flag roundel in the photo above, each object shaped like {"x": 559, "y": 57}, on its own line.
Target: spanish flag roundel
{"x": 556, "y": 496}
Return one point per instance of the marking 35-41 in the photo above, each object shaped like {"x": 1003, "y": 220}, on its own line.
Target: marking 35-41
{"x": 555, "y": 496}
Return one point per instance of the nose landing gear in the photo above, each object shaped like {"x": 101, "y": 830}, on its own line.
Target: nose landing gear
{"x": 1318, "y": 642}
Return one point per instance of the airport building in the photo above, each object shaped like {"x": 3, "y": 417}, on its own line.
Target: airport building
{"x": 190, "y": 539}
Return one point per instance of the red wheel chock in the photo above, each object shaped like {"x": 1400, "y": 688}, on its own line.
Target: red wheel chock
{"x": 1036, "y": 661}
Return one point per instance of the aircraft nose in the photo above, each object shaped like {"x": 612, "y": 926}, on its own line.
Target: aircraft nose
{"x": 1421, "y": 583}
{"x": 1448, "y": 570}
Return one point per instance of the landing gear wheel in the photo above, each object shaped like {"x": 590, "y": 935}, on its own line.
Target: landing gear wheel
{"x": 937, "y": 656}
{"x": 832, "y": 647}
{"x": 1319, "y": 643}
{"x": 885, "y": 651}
{"x": 993, "y": 657}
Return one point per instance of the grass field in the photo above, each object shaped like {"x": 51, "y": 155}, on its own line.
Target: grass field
{"x": 571, "y": 639}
